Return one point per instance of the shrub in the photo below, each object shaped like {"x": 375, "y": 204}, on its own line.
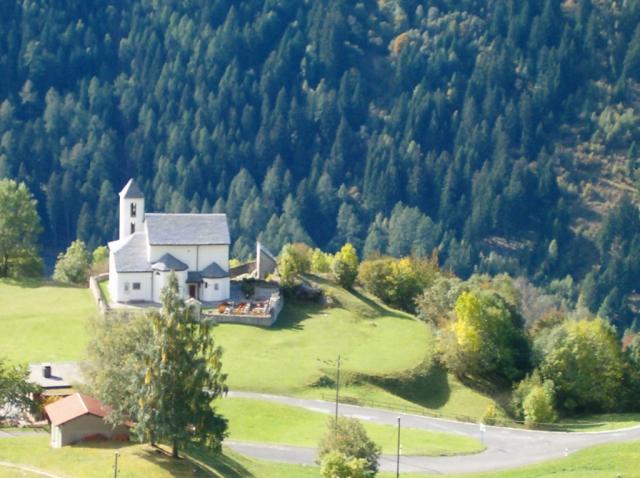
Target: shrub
{"x": 349, "y": 438}
{"x": 72, "y": 267}
{"x": 490, "y": 415}
{"x": 538, "y": 405}
{"x": 338, "y": 465}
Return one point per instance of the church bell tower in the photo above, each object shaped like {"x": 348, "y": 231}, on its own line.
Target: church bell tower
{"x": 131, "y": 209}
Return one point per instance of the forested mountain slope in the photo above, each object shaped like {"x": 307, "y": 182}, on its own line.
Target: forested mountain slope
{"x": 498, "y": 131}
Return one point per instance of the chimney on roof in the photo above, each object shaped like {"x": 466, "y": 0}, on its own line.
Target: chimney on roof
{"x": 46, "y": 371}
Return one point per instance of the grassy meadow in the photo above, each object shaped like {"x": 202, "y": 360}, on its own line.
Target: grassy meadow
{"x": 266, "y": 422}
{"x": 96, "y": 460}
{"x": 43, "y": 321}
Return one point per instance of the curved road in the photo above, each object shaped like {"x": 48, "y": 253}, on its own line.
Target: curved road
{"x": 505, "y": 447}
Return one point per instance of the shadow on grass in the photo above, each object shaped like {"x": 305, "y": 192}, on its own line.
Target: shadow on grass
{"x": 219, "y": 464}
{"x": 379, "y": 309}
{"x": 426, "y": 386}
{"x": 37, "y": 282}
{"x": 362, "y": 304}
{"x": 294, "y": 313}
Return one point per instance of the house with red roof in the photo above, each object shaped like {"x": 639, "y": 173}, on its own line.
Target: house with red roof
{"x": 80, "y": 417}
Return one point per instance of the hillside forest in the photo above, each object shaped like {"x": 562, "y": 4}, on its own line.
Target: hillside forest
{"x": 501, "y": 134}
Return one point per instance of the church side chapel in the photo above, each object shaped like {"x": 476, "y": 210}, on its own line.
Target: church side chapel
{"x": 152, "y": 245}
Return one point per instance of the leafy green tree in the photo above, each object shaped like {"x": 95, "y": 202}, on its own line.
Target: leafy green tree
{"x": 182, "y": 379}
{"x": 73, "y": 266}
{"x": 337, "y": 465}
{"x": 436, "y": 302}
{"x": 486, "y": 338}
{"x": 100, "y": 259}
{"x": 321, "y": 261}
{"x": 19, "y": 230}
{"x": 397, "y": 282}
{"x": 584, "y": 361}
{"x": 15, "y": 389}
{"x": 345, "y": 266}
{"x": 349, "y": 438}
{"x": 294, "y": 259}
{"x": 118, "y": 352}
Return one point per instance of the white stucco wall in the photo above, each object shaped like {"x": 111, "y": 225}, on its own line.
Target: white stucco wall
{"x": 81, "y": 427}
{"x": 122, "y": 290}
{"x": 196, "y": 257}
{"x": 208, "y": 292}
{"x": 125, "y": 219}
{"x": 114, "y": 279}
{"x": 160, "y": 280}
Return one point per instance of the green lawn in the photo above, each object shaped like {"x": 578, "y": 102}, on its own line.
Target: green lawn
{"x": 256, "y": 421}
{"x": 104, "y": 288}
{"x": 96, "y": 460}
{"x": 9, "y": 472}
{"x": 604, "y": 461}
{"x": 597, "y": 423}
{"x": 43, "y": 321}
{"x": 91, "y": 460}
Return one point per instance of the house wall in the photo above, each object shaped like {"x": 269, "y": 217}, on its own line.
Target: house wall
{"x": 81, "y": 427}
{"x": 123, "y": 291}
{"x": 161, "y": 279}
{"x": 196, "y": 257}
{"x": 208, "y": 292}
{"x": 114, "y": 280}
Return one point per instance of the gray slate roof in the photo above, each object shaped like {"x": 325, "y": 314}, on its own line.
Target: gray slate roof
{"x": 214, "y": 271}
{"x": 193, "y": 277}
{"x": 131, "y": 191}
{"x": 131, "y": 255}
{"x": 187, "y": 229}
{"x": 169, "y": 263}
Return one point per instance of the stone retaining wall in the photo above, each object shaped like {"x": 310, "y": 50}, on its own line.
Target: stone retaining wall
{"x": 94, "y": 287}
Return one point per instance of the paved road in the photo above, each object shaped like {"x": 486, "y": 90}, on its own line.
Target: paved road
{"x": 505, "y": 447}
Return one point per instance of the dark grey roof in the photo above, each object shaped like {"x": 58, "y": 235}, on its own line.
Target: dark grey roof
{"x": 169, "y": 263}
{"x": 131, "y": 191}
{"x": 130, "y": 254}
{"x": 187, "y": 229}
{"x": 193, "y": 277}
{"x": 214, "y": 271}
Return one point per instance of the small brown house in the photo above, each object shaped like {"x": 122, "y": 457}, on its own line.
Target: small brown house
{"x": 79, "y": 417}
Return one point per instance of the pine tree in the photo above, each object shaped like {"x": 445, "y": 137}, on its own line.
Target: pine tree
{"x": 183, "y": 377}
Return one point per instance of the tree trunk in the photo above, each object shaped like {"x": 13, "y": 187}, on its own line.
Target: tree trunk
{"x": 174, "y": 448}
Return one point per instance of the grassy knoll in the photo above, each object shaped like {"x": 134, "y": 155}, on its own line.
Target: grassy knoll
{"x": 253, "y": 420}
{"x": 43, "y": 321}
{"x": 92, "y": 460}
{"x": 387, "y": 360}
{"x": 379, "y": 346}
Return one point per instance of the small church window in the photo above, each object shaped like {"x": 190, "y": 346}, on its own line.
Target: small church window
{"x": 133, "y": 209}
{"x": 215, "y": 286}
{"x": 136, "y": 286}
{"x": 133, "y": 227}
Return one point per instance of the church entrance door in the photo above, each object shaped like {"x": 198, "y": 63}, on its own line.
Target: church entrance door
{"x": 192, "y": 291}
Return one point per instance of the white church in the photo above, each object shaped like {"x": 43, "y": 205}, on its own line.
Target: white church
{"x": 151, "y": 246}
